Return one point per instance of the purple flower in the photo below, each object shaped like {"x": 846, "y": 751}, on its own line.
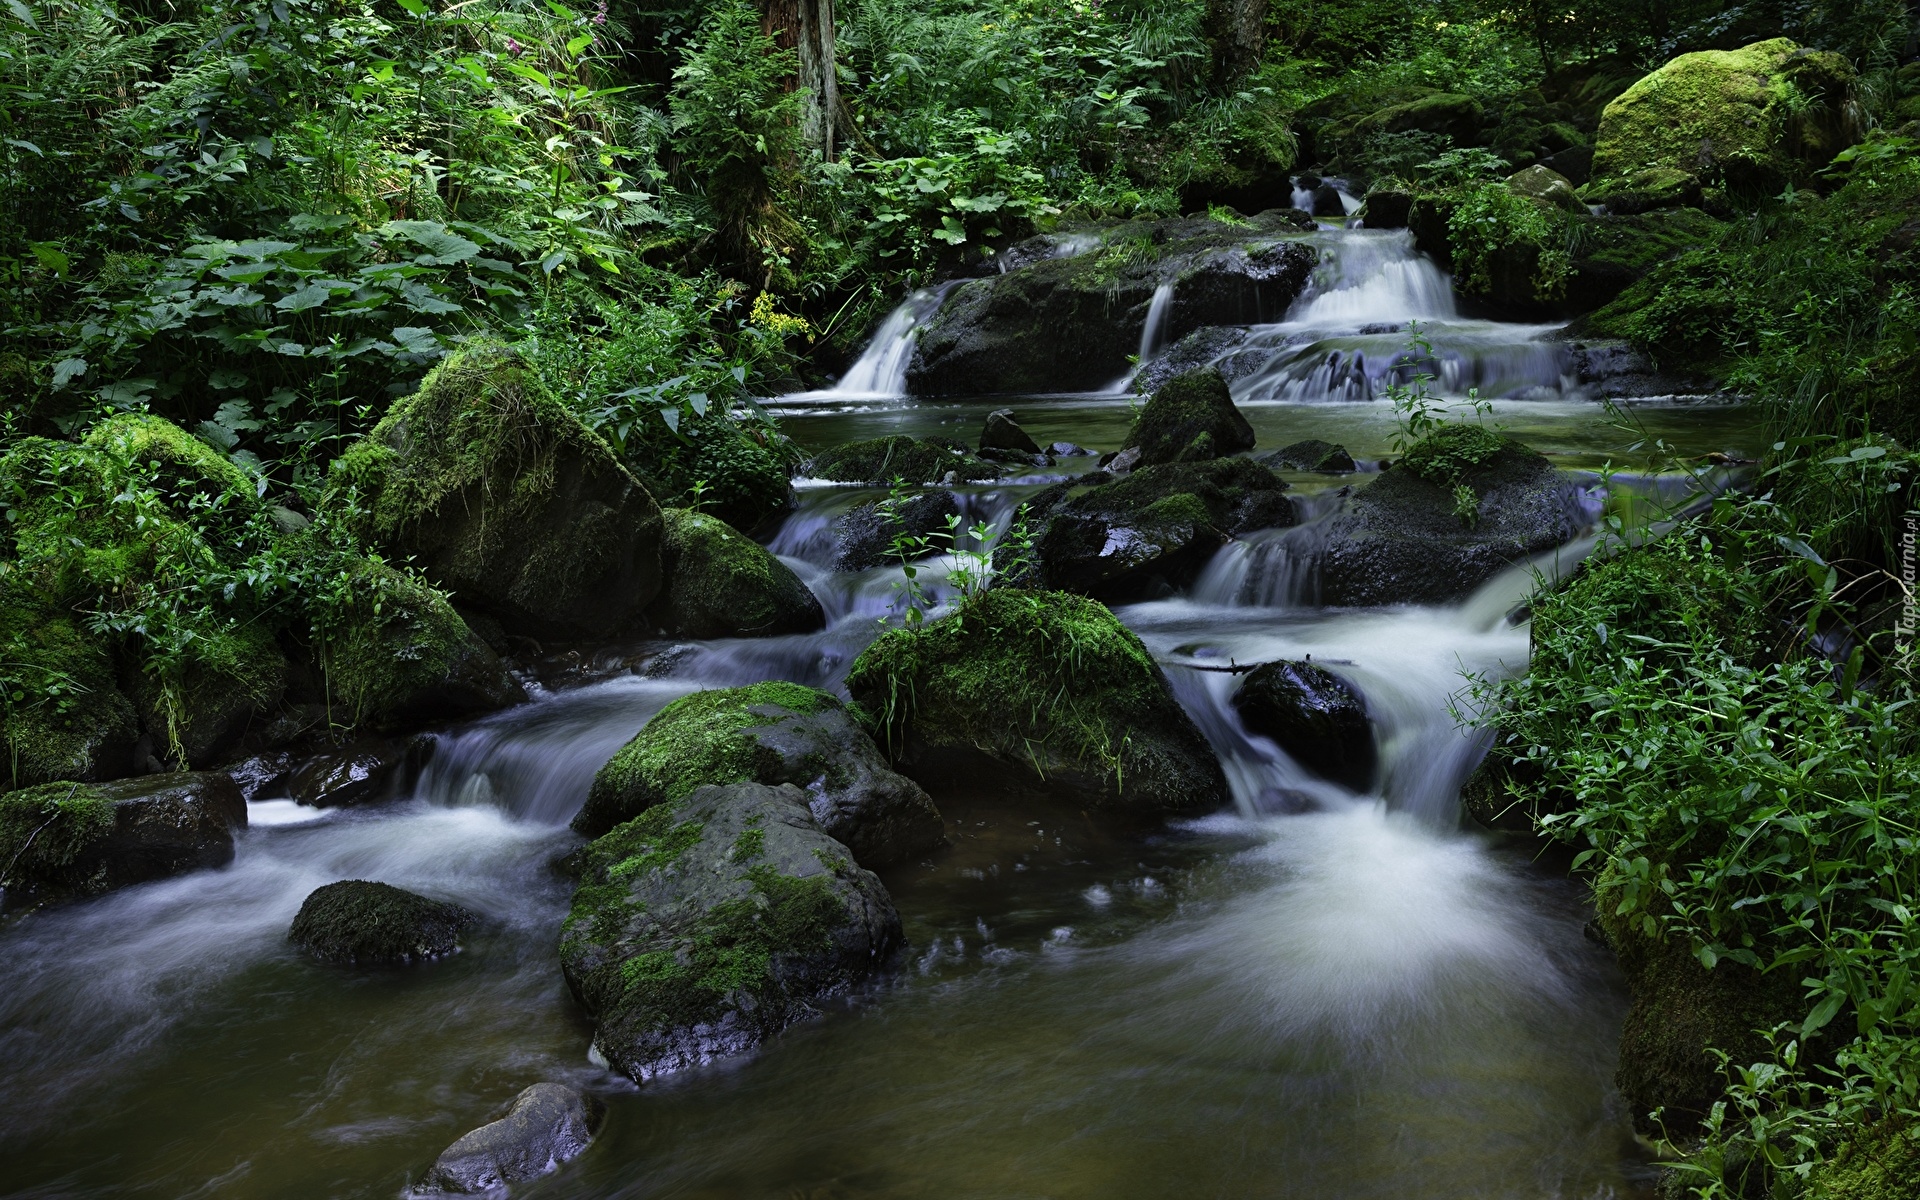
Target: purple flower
{"x": 513, "y": 47}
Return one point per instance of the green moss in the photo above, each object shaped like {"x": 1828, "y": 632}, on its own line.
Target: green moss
{"x": 392, "y": 640}
{"x": 44, "y": 829}
{"x": 1454, "y": 454}
{"x": 1881, "y": 1162}
{"x": 62, "y": 715}
{"x": 1190, "y": 418}
{"x": 183, "y": 465}
{"x": 359, "y": 921}
{"x": 916, "y": 460}
{"x": 1048, "y": 678}
{"x": 1182, "y": 508}
{"x": 722, "y": 583}
{"x": 696, "y": 740}
{"x": 1739, "y": 113}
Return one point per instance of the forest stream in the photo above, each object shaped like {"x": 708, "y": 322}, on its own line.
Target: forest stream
{"x": 1315, "y": 992}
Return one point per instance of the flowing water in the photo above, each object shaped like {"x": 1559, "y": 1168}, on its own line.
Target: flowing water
{"x": 1314, "y": 993}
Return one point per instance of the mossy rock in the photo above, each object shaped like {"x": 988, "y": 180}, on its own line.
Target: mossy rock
{"x": 721, "y": 583}
{"x": 71, "y": 721}
{"x": 186, "y": 469}
{"x": 1311, "y": 455}
{"x": 771, "y": 733}
{"x": 1037, "y": 691}
{"x": 1146, "y": 534}
{"x": 1460, "y": 506}
{"x": 703, "y": 927}
{"x": 232, "y": 679}
{"x": 1752, "y": 119}
{"x": 1879, "y": 1162}
{"x": 913, "y": 460}
{"x": 1190, "y": 418}
{"x": 1615, "y": 251}
{"x": 1004, "y": 333}
{"x": 401, "y": 655}
{"x": 359, "y": 922}
{"x": 69, "y": 839}
{"x": 1544, "y": 183}
{"x": 1449, "y": 114}
{"x": 505, "y": 499}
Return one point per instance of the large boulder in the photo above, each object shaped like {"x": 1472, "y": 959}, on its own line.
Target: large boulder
{"x": 722, "y": 583}
{"x": 548, "y": 1125}
{"x": 71, "y": 721}
{"x": 1318, "y": 718}
{"x": 1460, "y": 506}
{"x": 704, "y": 927}
{"x": 1544, "y": 183}
{"x": 1003, "y": 433}
{"x": 911, "y": 460}
{"x": 1146, "y": 534}
{"x": 505, "y": 499}
{"x": 769, "y": 733}
{"x": 876, "y": 534}
{"x": 1190, "y": 418}
{"x": 1751, "y": 120}
{"x": 1004, "y": 333}
{"x": 1041, "y": 692}
{"x": 359, "y": 922}
{"x": 70, "y": 839}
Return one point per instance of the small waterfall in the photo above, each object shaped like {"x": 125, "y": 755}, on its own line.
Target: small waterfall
{"x": 1153, "y": 334}
{"x": 881, "y": 369}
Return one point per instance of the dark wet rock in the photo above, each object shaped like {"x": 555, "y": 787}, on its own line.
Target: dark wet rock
{"x": 721, "y": 583}
{"x": 1318, "y": 718}
{"x": 547, "y": 1126}
{"x": 1327, "y": 203}
{"x": 1211, "y": 347}
{"x": 263, "y": 774}
{"x": 1042, "y": 693}
{"x": 1069, "y": 450}
{"x": 1148, "y": 534}
{"x": 703, "y": 927}
{"x": 359, "y": 922}
{"x": 1002, "y": 432}
{"x": 913, "y": 460}
{"x": 769, "y": 733}
{"x": 362, "y": 772}
{"x": 1311, "y": 455}
{"x": 1386, "y": 208}
{"x": 68, "y": 839}
{"x": 1190, "y": 418}
{"x": 1005, "y": 333}
{"x": 1460, "y": 506}
{"x": 504, "y": 498}
{"x": 867, "y": 532}
{"x": 1575, "y": 164}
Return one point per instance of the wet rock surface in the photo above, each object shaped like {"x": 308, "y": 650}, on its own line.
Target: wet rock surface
{"x": 911, "y": 460}
{"x": 706, "y": 926}
{"x": 362, "y": 772}
{"x": 1318, "y": 718}
{"x": 70, "y": 839}
{"x": 548, "y": 1125}
{"x": 363, "y": 923}
{"x": 1002, "y": 432}
{"x": 721, "y": 583}
{"x": 868, "y": 532}
{"x": 1311, "y": 455}
{"x": 1003, "y": 333}
{"x": 770, "y": 733}
{"x": 1190, "y": 418}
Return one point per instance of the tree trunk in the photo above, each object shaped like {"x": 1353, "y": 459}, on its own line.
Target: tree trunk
{"x": 1236, "y": 33}
{"x": 806, "y": 26}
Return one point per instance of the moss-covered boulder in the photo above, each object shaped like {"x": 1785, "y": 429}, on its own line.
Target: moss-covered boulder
{"x": 1460, "y": 506}
{"x": 1039, "y": 692}
{"x": 1318, "y": 718}
{"x": 505, "y": 499}
{"x": 769, "y": 733}
{"x": 741, "y": 472}
{"x": 1750, "y": 120}
{"x": 1615, "y": 251}
{"x": 1146, "y": 534}
{"x": 721, "y": 583}
{"x": 359, "y": 922}
{"x": 63, "y": 715}
{"x": 1879, "y": 1162}
{"x": 704, "y": 927}
{"x": 1310, "y": 455}
{"x": 1190, "y": 418}
{"x": 399, "y": 654}
{"x": 1544, "y": 183}
{"x": 912, "y": 460}
{"x": 1448, "y": 114}
{"x": 70, "y": 839}
{"x": 1005, "y": 333}
{"x": 869, "y": 533}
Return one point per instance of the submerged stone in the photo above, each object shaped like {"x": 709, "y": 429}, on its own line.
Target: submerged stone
{"x": 704, "y": 927}
{"x": 547, "y": 1126}
{"x": 721, "y": 583}
{"x": 359, "y": 922}
{"x": 1190, "y": 418}
{"x": 770, "y": 733}
{"x": 1318, "y": 718}
{"x": 69, "y": 839}
{"x": 1040, "y": 692}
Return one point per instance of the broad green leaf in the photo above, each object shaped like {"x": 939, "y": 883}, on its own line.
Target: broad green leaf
{"x": 443, "y": 246}
{"x": 311, "y": 296}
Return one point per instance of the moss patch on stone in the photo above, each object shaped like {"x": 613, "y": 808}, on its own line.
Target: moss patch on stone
{"x": 396, "y": 639}
{"x": 1045, "y": 682}
{"x": 696, "y": 740}
{"x": 44, "y": 829}
{"x": 721, "y": 583}
{"x": 1190, "y": 418}
{"x": 1881, "y": 1162}
{"x": 915, "y": 460}
{"x": 359, "y": 921}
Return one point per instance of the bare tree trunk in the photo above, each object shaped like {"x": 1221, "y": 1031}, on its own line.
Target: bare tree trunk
{"x": 1236, "y": 32}
{"x": 806, "y": 26}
